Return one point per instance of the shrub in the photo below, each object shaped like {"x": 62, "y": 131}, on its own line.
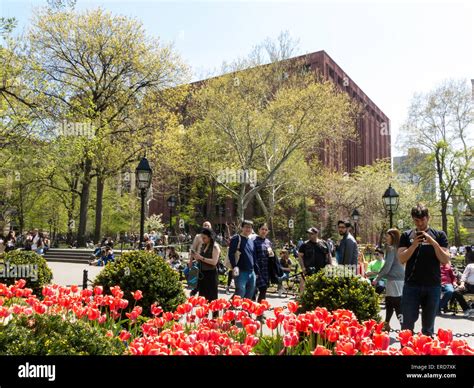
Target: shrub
{"x": 340, "y": 292}
{"x": 44, "y": 335}
{"x": 19, "y": 260}
{"x": 147, "y": 272}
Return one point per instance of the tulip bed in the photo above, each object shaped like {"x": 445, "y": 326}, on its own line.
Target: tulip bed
{"x": 220, "y": 327}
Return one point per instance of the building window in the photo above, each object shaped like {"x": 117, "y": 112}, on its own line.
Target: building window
{"x": 331, "y": 73}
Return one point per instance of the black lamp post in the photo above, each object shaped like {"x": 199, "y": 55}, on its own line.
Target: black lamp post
{"x": 390, "y": 202}
{"x": 143, "y": 179}
{"x": 171, "y": 204}
{"x": 355, "y": 217}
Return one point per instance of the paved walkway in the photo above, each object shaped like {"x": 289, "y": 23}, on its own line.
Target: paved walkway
{"x": 68, "y": 274}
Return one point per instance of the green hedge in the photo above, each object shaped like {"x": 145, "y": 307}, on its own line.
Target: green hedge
{"x": 26, "y": 259}
{"x": 340, "y": 292}
{"x": 43, "y": 335}
{"x": 145, "y": 271}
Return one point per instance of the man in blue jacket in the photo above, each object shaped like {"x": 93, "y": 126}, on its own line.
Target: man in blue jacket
{"x": 243, "y": 258}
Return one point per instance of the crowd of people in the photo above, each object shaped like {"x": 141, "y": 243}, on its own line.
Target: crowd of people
{"x": 33, "y": 240}
{"x": 413, "y": 268}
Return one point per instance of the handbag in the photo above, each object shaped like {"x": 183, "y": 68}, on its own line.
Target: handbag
{"x": 237, "y": 256}
{"x": 221, "y": 268}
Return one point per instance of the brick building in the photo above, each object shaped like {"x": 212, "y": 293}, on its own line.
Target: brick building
{"x": 373, "y": 137}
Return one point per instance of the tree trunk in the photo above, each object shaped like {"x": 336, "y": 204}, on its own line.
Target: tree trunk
{"x": 85, "y": 192}
{"x": 444, "y": 214}
{"x": 456, "y": 226}
{"x": 21, "y": 213}
{"x": 98, "y": 207}
{"x": 442, "y": 191}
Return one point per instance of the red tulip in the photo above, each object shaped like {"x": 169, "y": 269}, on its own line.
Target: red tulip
{"x": 321, "y": 351}
{"x": 272, "y": 323}
{"x": 137, "y": 295}
{"x": 156, "y": 310}
{"x": 116, "y": 292}
{"x": 445, "y": 336}
{"x": 332, "y": 335}
{"x": 419, "y": 342}
{"x": 251, "y": 328}
{"x": 235, "y": 352}
{"x": 124, "y": 335}
{"x": 278, "y": 311}
{"x": 102, "y": 319}
{"x": 5, "y": 313}
{"x": 301, "y": 325}
{"x": 292, "y": 307}
{"x": 366, "y": 346}
{"x": 247, "y": 304}
{"x": 381, "y": 341}
{"x": 201, "y": 312}
{"x": 379, "y": 327}
{"x": 408, "y": 351}
{"x": 236, "y": 301}
{"x": 98, "y": 290}
{"x": 265, "y": 303}
{"x": 93, "y": 314}
{"x": 457, "y": 347}
{"x": 228, "y": 316}
{"x": 290, "y": 339}
{"x": 405, "y": 336}
{"x": 20, "y": 283}
{"x": 346, "y": 348}
{"x": 260, "y": 309}
{"x": 123, "y": 303}
{"x": 251, "y": 340}
{"x": 39, "y": 308}
{"x": 438, "y": 351}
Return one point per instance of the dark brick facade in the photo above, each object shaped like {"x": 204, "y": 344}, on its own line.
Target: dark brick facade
{"x": 373, "y": 133}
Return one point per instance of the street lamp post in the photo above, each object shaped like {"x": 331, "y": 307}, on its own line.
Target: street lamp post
{"x": 355, "y": 216}
{"x": 390, "y": 202}
{"x": 143, "y": 175}
{"x": 171, "y": 204}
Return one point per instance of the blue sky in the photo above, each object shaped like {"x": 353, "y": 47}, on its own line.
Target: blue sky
{"x": 390, "y": 49}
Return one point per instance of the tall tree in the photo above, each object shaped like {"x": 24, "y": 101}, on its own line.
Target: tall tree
{"x": 439, "y": 124}
{"x": 97, "y": 68}
{"x": 241, "y": 115}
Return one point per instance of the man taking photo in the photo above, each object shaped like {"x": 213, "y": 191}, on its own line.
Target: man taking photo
{"x": 422, "y": 250}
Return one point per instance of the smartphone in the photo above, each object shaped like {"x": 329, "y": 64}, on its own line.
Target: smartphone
{"x": 420, "y": 234}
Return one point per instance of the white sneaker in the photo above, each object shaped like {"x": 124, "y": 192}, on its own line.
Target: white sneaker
{"x": 280, "y": 293}
{"x": 469, "y": 312}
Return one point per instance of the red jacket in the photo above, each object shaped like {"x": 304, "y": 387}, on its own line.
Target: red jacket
{"x": 447, "y": 274}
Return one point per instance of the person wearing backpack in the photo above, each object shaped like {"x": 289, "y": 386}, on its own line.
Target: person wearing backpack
{"x": 422, "y": 250}
{"x": 242, "y": 258}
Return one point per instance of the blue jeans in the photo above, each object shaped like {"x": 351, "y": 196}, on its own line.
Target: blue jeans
{"x": 448, "y": 291}
{"x": 245, "y": 284}
{"x": 415, "y": 296}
